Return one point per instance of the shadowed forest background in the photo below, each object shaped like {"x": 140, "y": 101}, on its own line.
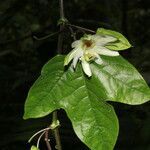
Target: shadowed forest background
{"x": 22, "y": 57}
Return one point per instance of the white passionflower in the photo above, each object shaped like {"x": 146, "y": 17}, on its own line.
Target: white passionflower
{"x": 89, "y": 48}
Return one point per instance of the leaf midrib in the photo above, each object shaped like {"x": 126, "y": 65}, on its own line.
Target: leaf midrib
{"x": 87, "y": 91}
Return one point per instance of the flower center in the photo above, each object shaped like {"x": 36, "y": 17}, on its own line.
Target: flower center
{"x": 87, "y": 43}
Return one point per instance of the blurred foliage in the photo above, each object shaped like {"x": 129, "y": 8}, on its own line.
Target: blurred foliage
{"x": 22, "y": 56}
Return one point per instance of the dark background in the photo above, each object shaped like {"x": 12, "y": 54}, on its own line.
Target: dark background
{"x": 21, "y": 59}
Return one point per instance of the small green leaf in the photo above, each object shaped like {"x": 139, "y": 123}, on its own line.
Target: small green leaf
{"x": 34, "y": 148}
{"x": 120, "y": 44}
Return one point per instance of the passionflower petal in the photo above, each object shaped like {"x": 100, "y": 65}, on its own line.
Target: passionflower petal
{"x": 86, "y": 67}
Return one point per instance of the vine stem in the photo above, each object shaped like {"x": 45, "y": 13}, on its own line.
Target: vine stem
{"x": 39, "y": 139}
{"x": 61, "y": 4}
{"x": 59, "y": 51}
{"x": 81, "y": 28}
{"x": 38, "y": 133}
{"x": 45, "y": 37}
{"x": 72, "y": 33}
{"x": 47, "y": 140}
{"x": 56, "y": 132}
{"x": 60, "y": 37}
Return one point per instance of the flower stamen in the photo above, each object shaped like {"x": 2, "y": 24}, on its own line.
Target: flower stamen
{"x": 88, "y": 43}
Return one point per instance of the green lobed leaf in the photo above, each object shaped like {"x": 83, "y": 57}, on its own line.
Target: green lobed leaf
{"x": 120, "y": 44}
{"x": 94, "y": 121}
{"x": 84, "y": 99}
